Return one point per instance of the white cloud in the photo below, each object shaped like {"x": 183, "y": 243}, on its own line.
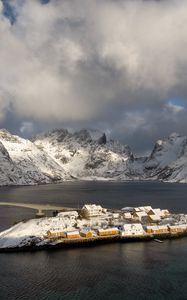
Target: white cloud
{"x": 175, "y": 108}
{"x": 27, "y": 127}
{"x": 86, "y": 61}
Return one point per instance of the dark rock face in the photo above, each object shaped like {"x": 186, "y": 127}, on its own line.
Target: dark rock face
{"x": 102, "y": 140}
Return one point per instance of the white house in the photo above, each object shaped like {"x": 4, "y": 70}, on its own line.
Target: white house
{"x": 92, "y": 210}
{"x": 127, "y": 215}
{"x": 139, "y": 215}
{"x": 154, "y": 214}
{"x": 132, "y": 229}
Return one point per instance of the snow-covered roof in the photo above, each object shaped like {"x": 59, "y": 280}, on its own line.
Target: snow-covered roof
{"x": 133, "y": 226}
{"x": 177, "y": 226}
{"x": 155, "y": 217}
{"x": 92, "y": 207}
{"x": 157, "y": 227}
{"x": 72, "y": 232}
{"x": 145, "y": 208}
{"x": 165, "y": 211}
{"x": 127, "y": 215}
{"x": 155, "y": 211}
{"x": 152, "y": 227}
{"x": 56, "y": 230}
{"x": 127, "y": 209}
{"x": 85, "y": 231}
{"x": 162, "y": 226}
{"x": 141, "y": 214}
{"x": 136, "y": 209}
{"x": 108, "y": 229}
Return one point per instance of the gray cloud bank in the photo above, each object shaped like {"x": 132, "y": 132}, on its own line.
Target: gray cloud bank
{"x": 114, "y": 65}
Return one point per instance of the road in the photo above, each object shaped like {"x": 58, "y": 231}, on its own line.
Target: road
{"x": 39, "y": 207}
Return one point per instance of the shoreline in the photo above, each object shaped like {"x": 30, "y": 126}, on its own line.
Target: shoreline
{"x": 94, "y": 242}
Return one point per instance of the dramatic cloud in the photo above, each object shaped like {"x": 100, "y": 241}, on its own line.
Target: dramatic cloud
{"x": 99, "y": 63}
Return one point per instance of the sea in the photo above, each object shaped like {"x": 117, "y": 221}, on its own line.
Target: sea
{"x": 138, "y": 270}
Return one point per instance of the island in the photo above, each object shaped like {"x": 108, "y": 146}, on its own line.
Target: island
{"x": 93, "y": 225}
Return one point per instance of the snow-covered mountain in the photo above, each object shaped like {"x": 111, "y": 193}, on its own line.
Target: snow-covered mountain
{"x": 9, "y": 172}
{"x": 87, "y": 155}
{"x": 25, "y": 163}
{"x": 168, "y": 160}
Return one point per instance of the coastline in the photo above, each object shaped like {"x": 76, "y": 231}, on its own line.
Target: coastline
{"x": 94, "y": 242}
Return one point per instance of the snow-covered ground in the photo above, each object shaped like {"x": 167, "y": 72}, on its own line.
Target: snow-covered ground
{"x": 35, "y": 230}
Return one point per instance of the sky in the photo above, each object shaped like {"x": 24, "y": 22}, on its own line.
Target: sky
{"x": 116, "y": 65}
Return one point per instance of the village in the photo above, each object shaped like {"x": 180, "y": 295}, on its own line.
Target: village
{"x": 92, "y": 225}
{"x": 93, "y": 222}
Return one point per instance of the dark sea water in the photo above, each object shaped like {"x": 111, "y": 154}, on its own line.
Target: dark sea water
{"x": 138, "y": 270}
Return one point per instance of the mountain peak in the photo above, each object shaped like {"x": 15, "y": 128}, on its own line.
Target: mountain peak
{"x": 174, "y": 135}
{"x": 91, "y": 135}
{"x": 7, "y": 136}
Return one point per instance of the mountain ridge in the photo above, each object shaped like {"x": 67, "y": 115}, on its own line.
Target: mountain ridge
{"x": 60, "y": 155}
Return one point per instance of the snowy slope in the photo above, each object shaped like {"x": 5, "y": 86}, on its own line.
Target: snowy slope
{"x": 168, "y": 160}
{"x": 9, "y": 172}
{"x": 34, "y": 231}
{"x": 86, "y": 154}
{"x": 33, "y": 164}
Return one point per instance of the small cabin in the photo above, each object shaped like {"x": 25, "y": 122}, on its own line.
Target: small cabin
{"x": 180, "y": 228}
{"x": 108, "y": 231}
{"x": 157, "y": 229}
{"x": 72, "y": 234}
{"x": 86, "y": 233}
{"x": 56, "y": 234}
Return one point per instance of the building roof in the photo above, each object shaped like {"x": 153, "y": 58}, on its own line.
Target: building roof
{"x": 92, "y": 207}
{"x": 136, "y": 209}
{"x": 155, "y": 211}
{"x": 127, "y": 209}
{"x": 155, "y": 217}
{"x": 56, "y": 230}
{"x": 141, "y": 214}
{"x": 108, "y": 229}
{"x": 133, "y": 226}
{"x": 165, "y": 211}
{"x": 145, "y": 208}
{"x": 178, "y": 226}
{"x": 162, "y": 226}
{"x": 68, "y": 213}
{"x": 127, "y": 214}
{"x": 72, "y": 232}
{"x": 85, "y": 231}
{"x": 153, "y": 227}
